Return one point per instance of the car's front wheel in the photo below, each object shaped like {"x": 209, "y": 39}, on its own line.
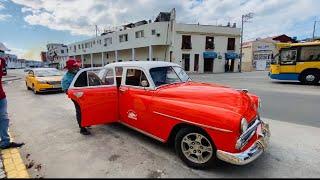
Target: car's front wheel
{"x": 28, "y": 86}
{"x": 195, "y": 148}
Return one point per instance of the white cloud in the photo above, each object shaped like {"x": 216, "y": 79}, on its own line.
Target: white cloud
{"x": 79, "y": 16}
{"x": 5, "y": 17}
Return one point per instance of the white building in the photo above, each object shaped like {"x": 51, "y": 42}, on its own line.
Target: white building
{"x": 57, "y": 55}
{"x": 197, "y": 48}
{"x": 13, "y": 62}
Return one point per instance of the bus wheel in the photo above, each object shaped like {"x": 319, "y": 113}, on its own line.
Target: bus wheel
{"x": 310, "y": 77}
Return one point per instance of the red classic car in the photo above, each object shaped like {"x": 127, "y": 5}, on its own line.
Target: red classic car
{"x": 204, "y": 121}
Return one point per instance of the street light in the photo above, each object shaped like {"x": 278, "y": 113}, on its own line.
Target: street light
{"x": 244, "y": 18}
{"x": 314, "y": 29}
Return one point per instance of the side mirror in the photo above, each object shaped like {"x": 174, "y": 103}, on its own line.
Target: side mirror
{"x": 144, "y": 83}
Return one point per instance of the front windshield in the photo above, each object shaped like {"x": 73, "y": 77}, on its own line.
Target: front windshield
{"x": 47, "y": 72}
{"x": 168, "y": 75}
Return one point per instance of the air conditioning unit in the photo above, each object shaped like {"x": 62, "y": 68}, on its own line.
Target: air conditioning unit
{"x": 158, "y": 34}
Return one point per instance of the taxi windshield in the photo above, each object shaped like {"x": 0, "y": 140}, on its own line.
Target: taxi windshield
{"x": 168, "y": 75}
{"x": 47, "y": 72}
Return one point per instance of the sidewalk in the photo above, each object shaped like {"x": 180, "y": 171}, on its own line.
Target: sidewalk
{"x": 10, "y": 78}
{"x": 11, "y": 164}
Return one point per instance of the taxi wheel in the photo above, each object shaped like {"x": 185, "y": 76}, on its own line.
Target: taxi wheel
{"x": 310, "y": 77}
{"x": 195, "y": 148}
{"x": 34, "y": 89}
{"x": 28, "y": 86}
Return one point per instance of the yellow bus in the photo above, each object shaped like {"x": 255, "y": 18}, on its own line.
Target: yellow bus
{"x": 297, "y": 61}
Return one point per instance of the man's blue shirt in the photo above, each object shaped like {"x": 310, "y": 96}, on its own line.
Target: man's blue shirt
{"x": 66, "y": 80}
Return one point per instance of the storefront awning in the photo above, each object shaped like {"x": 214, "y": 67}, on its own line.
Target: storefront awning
{"x": 210, "y": 55}
{"x": 231, "y": 55}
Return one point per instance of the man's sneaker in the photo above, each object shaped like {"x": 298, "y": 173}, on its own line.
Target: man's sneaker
{"x": 84, "y": 131}
{"x": 13, "y": 145}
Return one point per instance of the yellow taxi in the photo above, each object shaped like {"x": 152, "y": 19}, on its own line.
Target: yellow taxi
{"x": 44, "y": 80}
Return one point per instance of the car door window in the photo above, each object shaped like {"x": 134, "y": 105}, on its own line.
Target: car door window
{"x": 96, "y": 77}
{"x": 134, "y": 77}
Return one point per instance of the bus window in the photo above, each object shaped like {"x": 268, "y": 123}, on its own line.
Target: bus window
{"x": 288, "y": 57}
{"x": 310, "y": 53}
{"x": 275, "y": 59}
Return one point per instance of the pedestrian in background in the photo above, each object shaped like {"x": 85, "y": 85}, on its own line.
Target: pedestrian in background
{"x": 73, "y": 67}
{"x": 4, "y": 119}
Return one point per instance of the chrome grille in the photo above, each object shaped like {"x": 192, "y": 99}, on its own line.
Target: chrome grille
{"x": 54, "y": 82}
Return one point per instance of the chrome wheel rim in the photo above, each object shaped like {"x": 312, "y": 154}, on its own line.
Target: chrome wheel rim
{"x": 310, "y": 77}
{"x": 196, "y": 148}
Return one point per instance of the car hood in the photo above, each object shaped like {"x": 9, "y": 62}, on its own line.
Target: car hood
{"x": 209, "y": 94}
{"x": 49, "y": 78}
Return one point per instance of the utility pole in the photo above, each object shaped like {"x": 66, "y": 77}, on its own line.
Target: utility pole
{"x": 314, "y": 29}
{"x": 244, "y": 18}
{"x": 96, "y": 31}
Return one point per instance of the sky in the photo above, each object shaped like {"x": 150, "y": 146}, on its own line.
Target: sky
{"x": 26, "y": 26}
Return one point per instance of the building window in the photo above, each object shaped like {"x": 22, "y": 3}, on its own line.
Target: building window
{"x": 123, "y": 38}
{"x": 186, "y": 42}
{"x": 196, "y": 62}
{"x": 107, "y": 41}
{"x": 82, "y": 46}
{"x": 139, "y": 34}
{"x": 186, "y": 62}
{"x": 94, "y": 42}
{"x": 231, "y": 44}
{"x": 74, "y": 48}
{"x": 209, "y": 42}
{"x": 62, "y": 51}
{"x": 153, "y": 32}
{"x": 79, "y": 46}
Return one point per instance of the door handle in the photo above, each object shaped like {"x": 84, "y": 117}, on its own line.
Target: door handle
{"x": 78, "y": 94}
{"x": 122, "y": 90}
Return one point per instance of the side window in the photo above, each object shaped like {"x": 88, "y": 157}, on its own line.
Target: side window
{"x": 310, "y": 53}
{"x": 108, "y": 77}
{"x": 288, "y": 57}
{"x": 82, "y": 80}
{"x": 97, "y": 77}
{"x": 134, "y": 77}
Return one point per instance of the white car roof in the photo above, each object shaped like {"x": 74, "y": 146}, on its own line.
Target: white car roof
{"x": 142, "y": 64}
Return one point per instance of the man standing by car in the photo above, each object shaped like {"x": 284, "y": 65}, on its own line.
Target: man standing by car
{"x": 73, "y": 67}
{"x": 4, "y": 120}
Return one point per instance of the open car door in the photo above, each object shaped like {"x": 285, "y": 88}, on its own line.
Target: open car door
{"x": 95, "y": 91}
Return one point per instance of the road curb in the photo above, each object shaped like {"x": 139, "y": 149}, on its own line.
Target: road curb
{"x": 14, "y": 166}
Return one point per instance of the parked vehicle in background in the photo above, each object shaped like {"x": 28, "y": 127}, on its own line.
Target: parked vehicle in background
{"x": 204, "y": 121}
{"x": 298, "y": 62}
{"x": 43, "y": 80}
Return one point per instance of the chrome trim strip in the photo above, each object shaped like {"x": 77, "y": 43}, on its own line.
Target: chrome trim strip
{"x": 198, "y": 124}
{"x": 143, "y": 132}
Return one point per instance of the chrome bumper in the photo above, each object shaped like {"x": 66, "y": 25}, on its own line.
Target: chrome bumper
{"x": 252, "y": 152}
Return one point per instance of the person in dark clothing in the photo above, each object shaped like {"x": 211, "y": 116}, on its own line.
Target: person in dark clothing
{"x": 4, "y": 120}
{"x": 73, "y": 67}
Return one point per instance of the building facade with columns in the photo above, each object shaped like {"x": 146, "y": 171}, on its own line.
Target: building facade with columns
{"x": 197, "y": 48}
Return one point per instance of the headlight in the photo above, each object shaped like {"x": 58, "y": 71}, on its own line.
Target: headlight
{"x": 244, "y": 125}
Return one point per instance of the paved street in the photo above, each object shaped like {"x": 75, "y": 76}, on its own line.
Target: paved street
{"x": 47, "y": 124}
